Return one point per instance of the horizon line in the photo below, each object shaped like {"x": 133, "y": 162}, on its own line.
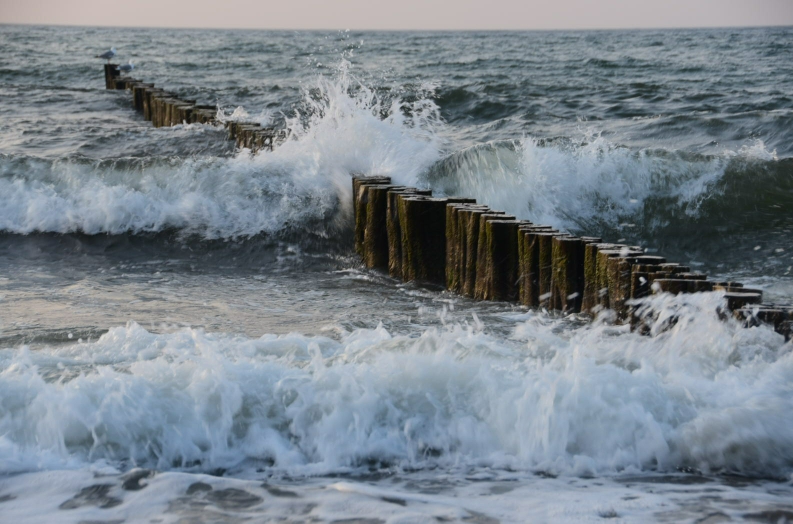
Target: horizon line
{"x": 428, "y": 30}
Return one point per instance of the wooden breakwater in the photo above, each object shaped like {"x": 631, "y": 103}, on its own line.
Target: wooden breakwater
{"x": 480, "y": 253}
{"x": 164, "y": 108}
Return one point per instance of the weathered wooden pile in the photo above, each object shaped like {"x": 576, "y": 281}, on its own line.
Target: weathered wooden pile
{"x": 488, "y": 255}
{"x": 163, "y": 108}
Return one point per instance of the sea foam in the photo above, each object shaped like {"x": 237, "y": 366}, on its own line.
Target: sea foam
{"x": 705, "y": 394}
{"x": 304, "y": 184}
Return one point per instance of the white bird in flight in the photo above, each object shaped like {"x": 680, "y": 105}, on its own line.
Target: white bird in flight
{"x": 126, "y": 68}
{"x": 107, "y": 55}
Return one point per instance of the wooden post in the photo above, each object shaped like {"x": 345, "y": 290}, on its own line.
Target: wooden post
{"x": 181, "y": 113}
{"x": 111, "y": 72}
{"x": 779, "y": 317}
{"x": 469, "y": 220}
{"x": 203, "y": 114}
{"x": 162, "y": 110}
{"x": 737, "y": 300}
{"x": 360, "y": 201}
{"x": 567, "y": 274}
{"x": 619, "y": 279}
{"x": 422, "y": 221}
{"x": 497, "y": 258}
{"x": 529, "y": 263}
{"x": 130, "y": 83}
{"x": 591, "y": 300}
{"x": 640, "y": 279}
{"x": 544, "y": 246}
{"x": 149, "y": 103}
{"x": 677, "y": 286}
{"x": 139, "y": 95}
{"x": 375, "y": 243}
{"x": 165, "y": 111}
{"x": 455, "y": 240}
{"x": 487, "y": 249}
{"x": 155, "y": 103}
{"x": 231, "y": 127}
{"x": 393, "y": 229}
{"x": 602, "y": 273}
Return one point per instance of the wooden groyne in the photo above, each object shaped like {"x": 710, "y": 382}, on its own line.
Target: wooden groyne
{"x": 474, "y": 251}
{"x": 484, "y": 254}
{"x": 164, "y": 108}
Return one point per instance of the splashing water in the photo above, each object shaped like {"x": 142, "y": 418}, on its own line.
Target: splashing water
{"x": 302, "y": 185}
{"x": 597, "y": 400}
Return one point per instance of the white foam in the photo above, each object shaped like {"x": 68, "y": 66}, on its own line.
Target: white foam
{"x": 595, "y": 400}
{"x": 304, "y": 183}
{"x": 585, "y": 185}
{"x": 457, "y": 494}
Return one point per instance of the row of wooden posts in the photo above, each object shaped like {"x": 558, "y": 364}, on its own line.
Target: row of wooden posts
{"x": 163, "y": 108}
{"x": 484, "y": 254}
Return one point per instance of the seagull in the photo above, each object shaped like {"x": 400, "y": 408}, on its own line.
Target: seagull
{"x": 126, "y": 68}
{"x": 107, "y": 55}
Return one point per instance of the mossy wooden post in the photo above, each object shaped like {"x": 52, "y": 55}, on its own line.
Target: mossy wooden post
{"x": 147, "y": 102}
{"x": 231, "y": 128}
{"x": 111, "y": 72}
{"x": 592, "y": 290}
{"x": 728, "y": 286}
{"x": 640, "y": 279}
{"x": 165, "y": 111}
{"x": 131, "y": 83}
{"x": 739, "y": 296}
{"x": 203, "y": 114}
{"x": 486, "y": 267}
{"x": 463, "y": 222}
{"x": 173, "y": 111}
{"x": 452, "y": 248}
{"x": 182, "y": 112}
{"x": 360, "y": 201}
{"x": 619, "y": 279}
{"x": 528, "y": 263}
{"x": 120, "y": 82}
{"x": 423, "y": 224}
{"x": 155, "y": 107}
{"x": 393, "y": 228}
{"x": 567, "y": 274}
{"x": 376, "y": 228}
{"x": 468, "y": 220}
{"x": 778, "y": 317}
{"x": 137, "y": 91}
{"x": 144, "y": 104}
{"x": 602, "y": 276}
{"x": 162, "y": 110}
{"x": 245, "y": 135}
{"x": 667, "y": 270}
{"x": 522, "y": 274}
{"x": 676, "y": 286}
{"x": 169, "y": 117}
{"x": 454, "y": 245}
{"x": 544, "y": 246}
{"x": 501, "y": 259}
{"x": 139, "y": 95}
{"x": 737, "y": 300}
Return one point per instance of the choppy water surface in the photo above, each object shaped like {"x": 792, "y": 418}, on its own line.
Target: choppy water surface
{"x": 186, "y": 335}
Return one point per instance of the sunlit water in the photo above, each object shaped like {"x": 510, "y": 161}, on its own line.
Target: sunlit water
{"x": 187, "y": 336}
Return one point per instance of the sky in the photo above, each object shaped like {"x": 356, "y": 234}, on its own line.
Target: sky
{"x": 401, "y": 14}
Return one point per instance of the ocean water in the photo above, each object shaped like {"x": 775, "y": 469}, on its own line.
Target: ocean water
{"x": 187, "y": 336}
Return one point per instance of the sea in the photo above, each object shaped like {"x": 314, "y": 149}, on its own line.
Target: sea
{"x": 187, "y": 336}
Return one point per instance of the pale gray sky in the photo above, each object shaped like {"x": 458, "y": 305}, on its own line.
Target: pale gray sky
{"x": 401, "y": 14}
